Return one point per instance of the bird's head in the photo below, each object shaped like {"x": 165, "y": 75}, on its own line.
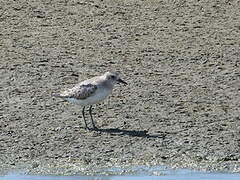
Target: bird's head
{"x": 114, "y": 78}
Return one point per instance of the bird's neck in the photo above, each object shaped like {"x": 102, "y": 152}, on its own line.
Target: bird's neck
{"x": 108, "y": 85}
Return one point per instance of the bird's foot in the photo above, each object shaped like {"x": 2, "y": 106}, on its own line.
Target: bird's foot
{"x": 95, "y": 127}
{"x": 87, "y": 128}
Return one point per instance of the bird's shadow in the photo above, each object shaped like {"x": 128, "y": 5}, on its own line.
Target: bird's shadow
{"x": 133, "y": 133}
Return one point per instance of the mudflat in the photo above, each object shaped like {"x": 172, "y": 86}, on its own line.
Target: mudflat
{"x": 181, "y": 106}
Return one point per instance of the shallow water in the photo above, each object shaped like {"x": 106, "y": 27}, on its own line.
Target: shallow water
{"x": 135, "y": 173}
{"x": 184, "y": 176}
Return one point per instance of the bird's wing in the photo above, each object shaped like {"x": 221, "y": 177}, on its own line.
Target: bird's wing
{"x": 79, "y": 91}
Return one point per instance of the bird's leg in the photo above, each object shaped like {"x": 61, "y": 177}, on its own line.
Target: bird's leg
{"x": 83, "y": 113}
{"x": 90, "y": 112}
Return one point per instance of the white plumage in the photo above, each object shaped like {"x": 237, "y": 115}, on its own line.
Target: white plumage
{"x": 91, "y": 91}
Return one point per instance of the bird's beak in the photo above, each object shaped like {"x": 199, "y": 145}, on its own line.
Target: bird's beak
{"x": 121, "y": 81}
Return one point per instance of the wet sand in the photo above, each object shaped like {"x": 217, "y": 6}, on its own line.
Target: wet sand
{"x": 181, "y": 107}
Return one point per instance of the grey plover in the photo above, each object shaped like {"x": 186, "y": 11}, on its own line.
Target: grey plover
{"x": 91, "y": 91}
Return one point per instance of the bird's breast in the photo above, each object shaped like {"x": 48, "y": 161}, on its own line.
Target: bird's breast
{"x": 101, "y": 94}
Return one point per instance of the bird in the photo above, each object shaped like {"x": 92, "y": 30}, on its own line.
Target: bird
{"x": 91, "y": 91}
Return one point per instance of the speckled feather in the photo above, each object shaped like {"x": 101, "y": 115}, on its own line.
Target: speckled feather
{"x": 79, "y": 92}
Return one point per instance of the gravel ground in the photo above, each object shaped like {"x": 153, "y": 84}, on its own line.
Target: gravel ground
{"x": 181, "y": 107}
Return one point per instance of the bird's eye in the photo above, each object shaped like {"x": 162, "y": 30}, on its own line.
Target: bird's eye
{"x": 112, "y": 77}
